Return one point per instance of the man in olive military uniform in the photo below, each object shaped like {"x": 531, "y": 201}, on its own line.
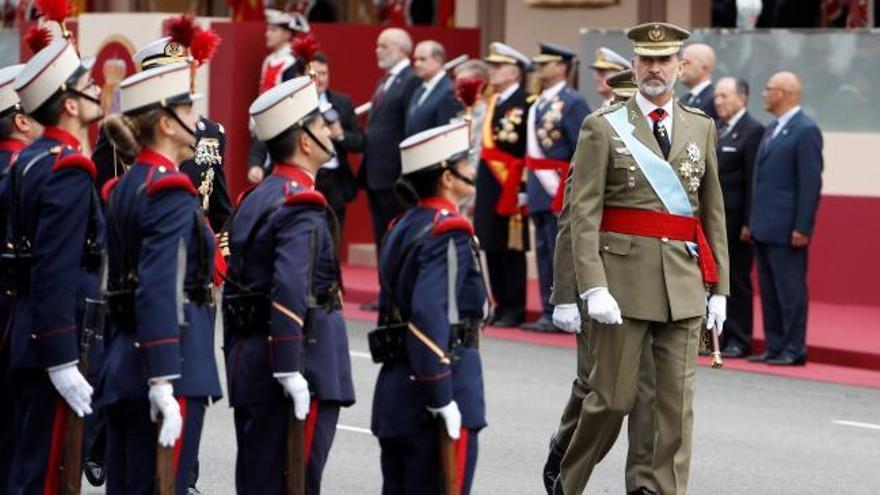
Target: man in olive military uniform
{"x": 567, "y": 316}
{"x": 647, "y": 227}
{"x": 499, "y": 221}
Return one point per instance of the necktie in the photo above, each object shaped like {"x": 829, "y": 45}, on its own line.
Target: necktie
{"x": 660, "y": 134}
{"x": 768, "y": 134}
{"x": 417, "y": 97}
{"x": 723, "y": 130}
{"x": 380, "y": 90}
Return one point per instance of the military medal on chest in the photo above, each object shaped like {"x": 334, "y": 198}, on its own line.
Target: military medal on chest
{"x": 207, "y": 155}
{"x": 690, "y": 168}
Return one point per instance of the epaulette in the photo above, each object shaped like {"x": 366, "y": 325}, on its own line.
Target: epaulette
{"x": 108, "y": 188}
{"x": 305, "y": 197}
{"x": 450, "y": 223}
{"x": 608, "y": 109}
{"x": 693, "y": 110}
{"x": 531, "y": 98}
{"x": 168, "y": 181}
{"x": 75, "y": 160}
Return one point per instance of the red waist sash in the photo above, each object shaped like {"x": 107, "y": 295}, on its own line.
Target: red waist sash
{"x": 560, "y": 166}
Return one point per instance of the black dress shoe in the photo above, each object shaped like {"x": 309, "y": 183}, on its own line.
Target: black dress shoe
{"x": 551, "y": 467}
{"x": 94, "y": 471}
{"x": 542, "y": 324}
{"x": 642, "y": 491}
{"x": 371, "y": 306}
{"x": 506, "y": 321}
{"x": 761, "y": 358}
{"x": 734, "y": 351}
{"x": 787, "y": 360}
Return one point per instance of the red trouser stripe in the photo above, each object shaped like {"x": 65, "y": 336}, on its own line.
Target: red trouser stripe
{"x": 659, "y": 224}
{"x": 59, "y": 431}
{"x": 311, "y": 422}
{"x": 178, "y": 445}
{"x": 461, "y": 455}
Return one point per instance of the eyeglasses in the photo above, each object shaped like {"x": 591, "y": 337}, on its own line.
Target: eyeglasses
{"x": 768, "y": 89}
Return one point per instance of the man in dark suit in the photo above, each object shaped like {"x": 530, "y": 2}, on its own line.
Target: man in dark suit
{"x": 335, "y": 179}
{"x": 739, "y": 136}
{"x": 785, "y": 196}
{"x": 380, "y": 167}
{"x": 433, "y": 103}
{"x": 697, "y": 65}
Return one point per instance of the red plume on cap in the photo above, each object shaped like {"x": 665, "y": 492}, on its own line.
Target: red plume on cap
{"x": 306, "y": 47}
{"x": 54, "y": 10}
{"x": 37, "y": 38}
{"x": 467, "y": 90}
{"x": 182, "y": 29}
{"x": 204, "y": 44}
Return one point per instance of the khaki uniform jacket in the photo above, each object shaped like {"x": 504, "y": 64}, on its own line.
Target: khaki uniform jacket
{"x": 651, "y": 279}
{"x": 564, "y": 283}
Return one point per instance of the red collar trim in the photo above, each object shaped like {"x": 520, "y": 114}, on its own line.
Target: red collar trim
{"x": 438, "y": 203}
{"x": 294, "y": 172}
{"x": 62, "y": 136}
{"x": 13, "y": 145}
{"x": 154, "y": 159}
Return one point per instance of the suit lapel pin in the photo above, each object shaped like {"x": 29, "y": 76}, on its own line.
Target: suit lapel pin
{"x": 735, "y": 135}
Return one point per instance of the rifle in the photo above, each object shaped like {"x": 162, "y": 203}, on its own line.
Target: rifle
{"x": 165, "y": 478}
{"x": 294, "y": 469}
{"x": 94, "y": 317}
{"x": 447, "y": 461}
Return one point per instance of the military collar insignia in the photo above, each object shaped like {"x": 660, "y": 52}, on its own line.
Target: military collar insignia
{"x": 294, "y": 173}
{"x": 63, "y": 137}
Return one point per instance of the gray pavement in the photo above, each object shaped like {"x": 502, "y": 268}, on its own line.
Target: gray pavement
{"x": 754, "y": 434}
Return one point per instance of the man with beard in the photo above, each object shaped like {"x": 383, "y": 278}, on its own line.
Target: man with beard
{"x": 648, "y": 233}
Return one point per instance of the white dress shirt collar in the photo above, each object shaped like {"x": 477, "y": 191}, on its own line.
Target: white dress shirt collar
{"x": 552, "y": 91}
{"x": 507, "y": 93}
{"x": 696, "y": 90}
{"x": 647, "y": 107}
{"x": 785, "y": 118}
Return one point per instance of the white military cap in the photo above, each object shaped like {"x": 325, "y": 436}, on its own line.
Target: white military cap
{"x": 299, "y": 23}
{"x": 160, "y": 87}
{"x": 277, "y": 17}
{"x": 499, "y": 53}
{"x": 608, "y": 59}
{"x": 283, "y": 107}
{"x": 160, "y": 52}
{"x": 434, "y": 147}
{"x": 51, "y": 70}
{"x": 9, "y": 101}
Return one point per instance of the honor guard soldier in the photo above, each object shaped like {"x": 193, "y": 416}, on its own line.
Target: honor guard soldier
{"x": 499, "y": 220}
{"x": 55, "y": 238}
{"x": 607, "y": 63}
{"x": 567, "y": 316}
{"x": 160, "y": 348}
{"x": 553, "y": 123}
{"x": 649, "y": 242}
{"x": 206, "y": 169}
{"x": 16, "y": 132}
{"x": 279, "y": 66}
{"x": 431, "y": 310}
{"x": 286, "y": 345}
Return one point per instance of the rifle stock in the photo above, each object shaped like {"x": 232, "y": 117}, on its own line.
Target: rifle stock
{"x": 165, "y": 479}
{"x": 447, "y": 461}
{"x": 71, "y": 469}
{"x": 295, "y": 467}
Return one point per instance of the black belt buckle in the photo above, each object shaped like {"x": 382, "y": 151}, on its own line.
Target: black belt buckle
{"x": 387, "y": 343}
{"x": 246, "y": 314}
{"x": 201, "y": 296}
{"x": 120, "y": 308}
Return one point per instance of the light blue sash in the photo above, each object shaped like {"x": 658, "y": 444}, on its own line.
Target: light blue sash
{"x": 660, "y": 174}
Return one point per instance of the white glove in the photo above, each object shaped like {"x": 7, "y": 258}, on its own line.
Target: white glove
{"x": 716, "y": 313}
{"x": 567, "y": 317}
{"x": 522, "y": 199}
{"x": 163, "y": 403}
{"x": 602, "y": 307}
{"x": 451, "y": 417}
{"x": 73, "y": 387}
{"x": 297, "y": 388}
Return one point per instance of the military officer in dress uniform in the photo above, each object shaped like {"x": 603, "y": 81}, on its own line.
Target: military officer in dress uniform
{"x": 55, "y": 237}
{"x": 279, "y": 66}
{"x": 607, "y": 63}
{"x": 17, "y": 130}
{"x": 499, "y": 220}
{"x": 431, "y": 310}
{"x": 206, "y": 169}
{"x": 649, "y": 243}
{"x": 285, "y": 340}
{"x": 553, "y": 123}
{"x": 567, "y": 316}
{"x": 160, "y": 347}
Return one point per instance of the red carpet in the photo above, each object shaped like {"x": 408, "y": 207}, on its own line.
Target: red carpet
{"x": 843, "y": 341}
